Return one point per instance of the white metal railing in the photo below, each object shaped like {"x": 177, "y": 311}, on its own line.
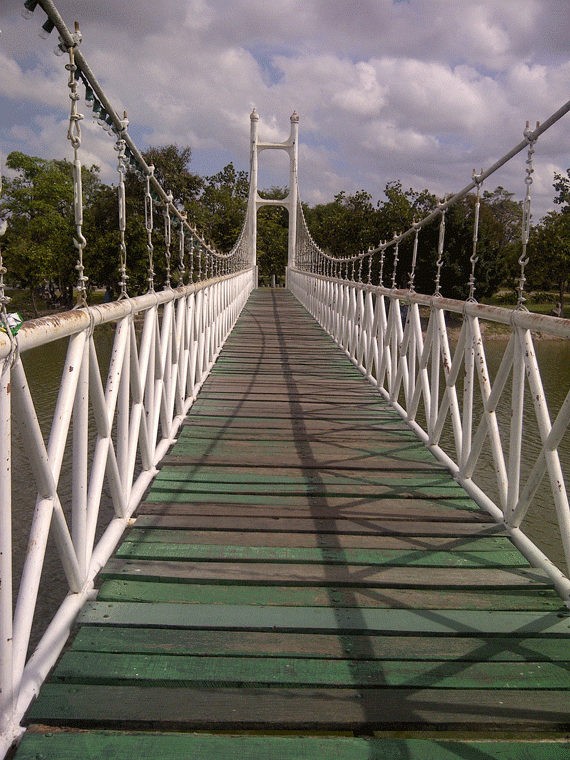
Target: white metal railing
{"x": 434, "y": 380}
{"x": 164, "y": 346}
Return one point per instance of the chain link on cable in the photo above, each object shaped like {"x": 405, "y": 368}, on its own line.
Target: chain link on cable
{"x": 74, "y": 136}
{"x": 396, "y": 258}
{"x": 412, "y": 275}
{"x": 167, "y": 239}
{"x": 382, "y": 259}
{"x": 181, "y": 249}
{"x": 523, "y": 259}
{"x": 474, "y": 256}
{"x": 122, "y": 168}
{"x": 149, "y": 226}
{"x": 440, "y": 249}
{"x": 191, "y": 259}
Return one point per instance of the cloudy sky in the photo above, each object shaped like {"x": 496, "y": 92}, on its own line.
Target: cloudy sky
{"x": 422, "y": 91}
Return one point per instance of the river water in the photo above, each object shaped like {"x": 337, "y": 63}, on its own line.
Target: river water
{"x": 43, "y": 368}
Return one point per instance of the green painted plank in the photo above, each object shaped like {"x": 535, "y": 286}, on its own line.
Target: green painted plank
{"x": 322, "y": 540}
{"x": 165, "y": 670}
{"x": 389, "y": 422}
{"x": 323, "y": 555}
{"x": 285, "y": 435}
{"x": 339, "y": 460}
{"x": 268, "y": 497}
{"x": 307, "y": 457}
{"x": 299, "y": 709}
{"x": 398, "y": 450}
{"x": 116, "y": 590}
{"x": 363, "y": 576}
{"x": 171, "y": 746}
{"x": 183, "y": 484}
{"x": 322, "y": 619}
{"x": 184, "y": 641}
{"x": 439, "y": 482}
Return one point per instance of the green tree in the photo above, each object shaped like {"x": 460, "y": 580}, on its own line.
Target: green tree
{"x": 562, "y": 186}
{"x": 272, "y": 237}
{"x": 37, "y": 204}
{"x": 171, "y": 168}
{"x": 103, "y": 240}
{"x": 219, "y": 210}
{"x": 396, "y": 214}
{"x": 346, "y": 226}
{"x": 549, "y": 252}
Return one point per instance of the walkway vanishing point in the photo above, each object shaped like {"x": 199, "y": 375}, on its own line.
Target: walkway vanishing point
{"x": 304, "y": 580}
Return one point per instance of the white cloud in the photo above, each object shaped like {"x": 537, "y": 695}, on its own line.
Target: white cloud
{"x": 421, "y": 91}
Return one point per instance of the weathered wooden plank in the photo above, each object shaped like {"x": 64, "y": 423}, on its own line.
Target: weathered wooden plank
{"x": 322, "y": 555}
{"x": 321, "y": 620}
{"x": 262, "y": 644}
{"x": 314, "y": 508}
{"x": 172, "y": 746}
{"x": 387, "y": 455}
{"x": 440, "y": 482}
{"x": 179, "y": 480}
{"x": 234, "y": 672}
{"x": 358, "y": 447}
{"x": 167, "y": 515}
{"x": 268, "y": 498}
{"x": 289, "y": 434}
{"x": 323, "y": 540}
{"x": 317, "y": 426}
{"x": 361, "y": 576}
{"x": 300, "y": 410}
{"x": 124, "y": 590}
{"x": 299, "y": 709}
{"x": 245, "y": 458}
{"x": 402, "y": 483}
{"x": 271, "y": 499}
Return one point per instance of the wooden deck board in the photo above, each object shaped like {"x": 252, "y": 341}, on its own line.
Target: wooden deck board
{"x": 293, "y": 709}
{"x": 127, "y": 746}
{"x": 302, "y": 564}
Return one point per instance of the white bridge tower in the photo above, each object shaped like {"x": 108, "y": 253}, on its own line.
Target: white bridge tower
{"x": 290, "y": 146}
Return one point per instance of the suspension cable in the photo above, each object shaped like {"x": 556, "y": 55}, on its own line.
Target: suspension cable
{"x": 523, "y": 259}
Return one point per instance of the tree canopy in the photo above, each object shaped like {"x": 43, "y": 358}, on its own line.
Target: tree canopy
{"x": 38, "y": 248}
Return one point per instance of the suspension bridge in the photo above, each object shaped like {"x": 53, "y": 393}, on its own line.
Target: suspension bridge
{"x": 301, "y": 559}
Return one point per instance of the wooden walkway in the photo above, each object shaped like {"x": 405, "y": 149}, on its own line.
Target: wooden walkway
{"x": 304, "y": 580}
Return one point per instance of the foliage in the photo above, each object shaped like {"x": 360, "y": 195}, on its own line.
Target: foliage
{"x": 352, "y": 224}
{"x": 38, "y": 246}
{"x": 346, "y": 226}
{"x": 272, "y": 237}
{"x": 562, "y": 186}
{"x": 549, "y": 250}
{"x": 219, "y": 210}
{"x": 38, "y": 206}
{"x": 171, "y": 169}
